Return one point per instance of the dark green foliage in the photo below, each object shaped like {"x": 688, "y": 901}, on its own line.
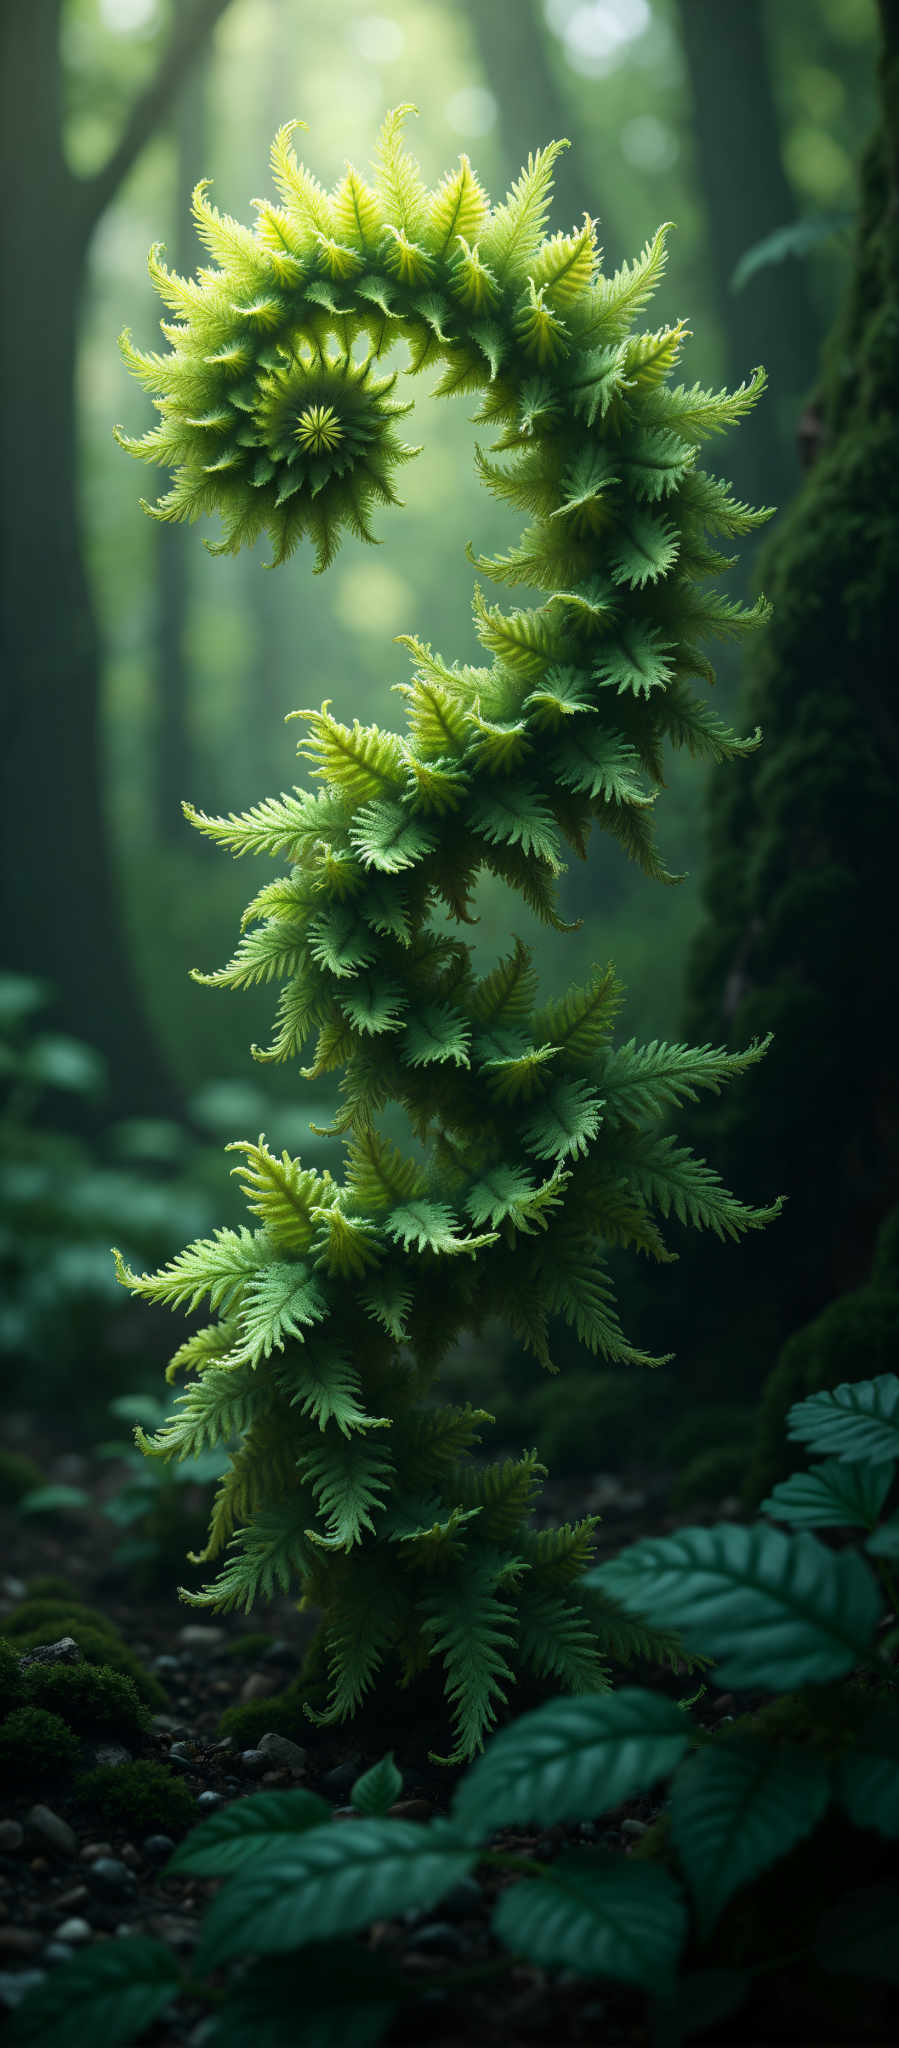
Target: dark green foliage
{"x": 605, "y": 1421}
{"x": 855, "y": 1337}
{"x": 47, "y": 1620}
{"x": 798, "y": 885}
{"x": 18, "y": 1475}
{"x": 93, "y": 1698}
{"x": 52, "y": 1586}
{"x": 710, "y": 1475}
{"x": 280, "y": 1714}
{"x": 37, "y": 1748}
{"x": 247, "y": 1649}
{"x": 702, "y": 1428}
{"x": 765, "y": 1890}
{"x": 10, "y": 1677}
{"x": 144, "y": 1797}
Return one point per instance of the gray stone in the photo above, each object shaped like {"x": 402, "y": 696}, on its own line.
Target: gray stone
{"x": 158, "y": 1848}
{"x": 207, "y": 1802}
{"x": 52, "y": 1832}
{"x": 110, "y": 1878}
{"x": 253, "y": 1763}
{"x": 166, "y": 1662}
{"x": 197, "y": 1636}
{"x": 280, "y": 1750}
{"x": 110, "y": 1753}
{"x": 66, "y": 1651}
{"x": 58, "y": 1952}
{"x": 342, "y": 1778}
{"x": 16, "y": 1984}
{"x": 12, "y": 1835}
{"x": 74, "y": 1930}
{"x": 634, "y": 1827}
{"x": 12, "y": 1588}
{"x": 438, "y": 1934}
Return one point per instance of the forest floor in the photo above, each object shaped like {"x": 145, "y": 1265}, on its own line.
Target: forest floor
{"x": 73, "y": 1880}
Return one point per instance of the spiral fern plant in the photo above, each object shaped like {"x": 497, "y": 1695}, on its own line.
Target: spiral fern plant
{"x": 540, "y": 1140}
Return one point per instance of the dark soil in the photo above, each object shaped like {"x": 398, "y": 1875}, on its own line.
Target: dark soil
{"x": 42, "y": 1887}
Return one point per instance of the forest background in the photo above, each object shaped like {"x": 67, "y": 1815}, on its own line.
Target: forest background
{"x": 138, "y": 671}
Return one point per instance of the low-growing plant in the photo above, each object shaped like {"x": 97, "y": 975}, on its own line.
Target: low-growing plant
{"x": 139, "y": 1796}
{"x": 771, "y": 1610}
{"x": 37, "y": 1748}
{"x": 92, "y": 1698}
{"x": 544, "y": 1145}
{"x": 37, "y": 1622}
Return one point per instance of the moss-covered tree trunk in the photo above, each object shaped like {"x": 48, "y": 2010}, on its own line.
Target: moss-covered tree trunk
{"x": 799, "y": 935}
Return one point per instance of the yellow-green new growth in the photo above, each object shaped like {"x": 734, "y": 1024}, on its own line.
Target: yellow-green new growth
{"x": 543, "y": 1139}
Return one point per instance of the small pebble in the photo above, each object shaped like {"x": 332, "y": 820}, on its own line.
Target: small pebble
{"x": 280, "y": 1750}
{"x": 166, "y": 1662}
{"x": 74, "y": 1930}
{"x": 109, "y": 1877}
{"x": 158, "y": 1848}
{"x": 75, "y": 1896}
{"x": 16, "y": 1984}
{"x": 208, "y": 1801}
{"x": 182, "y": 1754}
{"x": 18, "y": 1941}
{"x": 259, "y": 1686}
{"x": 112, "y": 1754}
{"x": 12, "y": 1835}
{"x": 200, "y": 1636}
{"x": 130, "y": 1855}
{"x": 633, "y": 1827}
{"x": 52, "y": 1831}
{"x": 58, "y": 1952}
{"x": 278, "y": 1652}
{"x": 342, "y": 1778}
{"x": 12, "y": 1588}
{"x": 438, "y": 1934}
{"x": 92, "y": 1850}
{"x": 252, "y": 1762}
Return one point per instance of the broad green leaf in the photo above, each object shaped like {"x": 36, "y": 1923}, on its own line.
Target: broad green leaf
{"x": 885, "y": 1540}
{"x": 859, "y": 1419}
{"x": 47, "y": 1499}
{"x": 738, "y": 1806}
{"x": 375, "y": 1792}
{"x": 113, "y": 1992}
{"x": 832, "y": 1495}
{"x": 263, "y": 1824}
{"x": 867, "y": 1778}
{"x": 861, "y": 1934}
{"x": 598, "y": 1915}
{"x": 334, "y": 1880}
{"x": 572, "y": 1759}
{"x": 775, "y": 1611}
{"x": 349, "y": 1999}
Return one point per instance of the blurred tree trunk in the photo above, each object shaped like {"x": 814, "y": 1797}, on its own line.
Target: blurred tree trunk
{"x": 795, "y": 938}
{"x": 746, "y": 195}
{"x": 515, "y": 54}
{"x": 175, "y": 775}
{"x": 59, "y": 911}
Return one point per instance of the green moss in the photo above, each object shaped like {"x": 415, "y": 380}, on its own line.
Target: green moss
{"x": 93, "y": 1698}
{"x": 144, "y": 1797}
{"x": 18, "y": 1475}
{"x": 712, "y": 1424}
{"x": 799, "y": 841}
{"x": 711, "y": 1475}
{"x": 36, "y": 1749}
{"x": 52, "y": 1586}
{"x": 46, "y": 1621}
{"x": 10, "y": 1676}
{"x": 246, "y": 1648}
{"x": 34, "y": 1613}
{"x": 280, "y": 1714}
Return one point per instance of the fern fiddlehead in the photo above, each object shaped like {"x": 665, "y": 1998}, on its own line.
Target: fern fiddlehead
{"x": 542, "y": 1139}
